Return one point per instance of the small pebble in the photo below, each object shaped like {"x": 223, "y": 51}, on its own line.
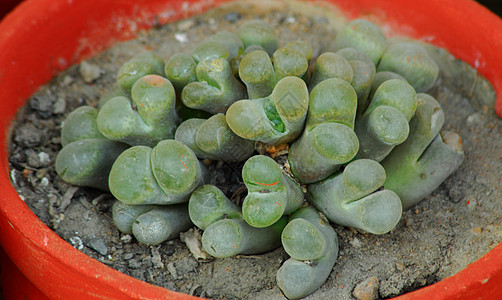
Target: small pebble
{"x": 233, "y": 17}
{"x": 59, "y": 106}
{"x": 126, "y": 238}
{"x": 172, "y": 269}
{"x": 135, "y": 264}
{"x": 181, "y": 37}
{"x": 356, "y": 242}
{"x": 400, "y": 266}
{"x": 77, "y": 242}
{"x": 128, "y": 256}
{"x": 367, "y": 289}
{"x": 99, "y": 245}
{"x": 28, "y": 136}
{"x": 185, "y": 24}
{"x": 89, "y": 72}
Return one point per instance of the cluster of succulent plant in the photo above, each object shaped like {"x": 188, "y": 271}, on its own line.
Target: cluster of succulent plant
{"x": 363, "y": 142}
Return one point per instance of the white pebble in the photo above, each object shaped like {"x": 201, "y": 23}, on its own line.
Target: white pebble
{"x": 181, "y": 37}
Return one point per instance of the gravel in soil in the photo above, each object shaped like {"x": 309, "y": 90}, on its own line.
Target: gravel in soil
{"x": 454, "y": 226}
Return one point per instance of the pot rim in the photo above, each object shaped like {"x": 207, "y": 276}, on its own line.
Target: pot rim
{"x": 79, "y": 36}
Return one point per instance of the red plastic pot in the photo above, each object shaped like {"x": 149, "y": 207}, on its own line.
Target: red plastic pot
{"x": 42, "y": 37}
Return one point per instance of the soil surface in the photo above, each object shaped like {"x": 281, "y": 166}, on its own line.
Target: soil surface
{"x": 453, "y": 227}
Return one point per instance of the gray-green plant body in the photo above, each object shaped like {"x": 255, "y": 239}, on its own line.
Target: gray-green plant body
{"x": 381, "y": 77}
{"x": 151, "y": 224}
{"x": 229, "y": 237}
{"x": 384, "y": 124}
{"x": 328, "y": 140}
{"x": 258, "y": 32}
{"x": 208, "y": 204}
{"x": 353, "y": 198}
{"x": 411, "y": 61}
{"x": 419, "y": 165}
{"x": 271, "y": 193}
{"x": 278, "y": 118}
{"x": 87, "y": 156}
{"x": 180, "y": 70}
{"x": 124, "y": 215}
{"x": 88, "y": 162}
{"x": 364, "y": 36}
{"x": 213, "y": 139}
{"x": 161, "y": 223}
{"x": 330, "y": 65}
{"x": 80, "y": 124}
{"x": 144, "y": 63}
{"x": 313, "y": 246}
{"x": 166, "y": 174}
{"x": 364, "y": 73}
{"x": 260, "y": 73}
{"x": 149, "y": 118}
{"x": 216, "y": 87}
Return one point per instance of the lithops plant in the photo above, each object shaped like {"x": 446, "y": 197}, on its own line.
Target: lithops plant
{"x": 411, "y": 61}
{"x": 275, "y": 119}
{"x": 260, "y": 73}
{"x": 328, "y": 140}
{"x": 166, "y": 174}
{"x": 354, "y": 198}
{"x": 419, "y": 165}
{"x": 271, "y": 193}
{"x": 321, "y": 127}
{"x": 87, "y": 156}
{"x": 146, "y": 119}
{"x": 384, "y": 124}
{"x": 151, "y": 224}
{"x": 313, "y": 246}
{"x": 213, "y": 139}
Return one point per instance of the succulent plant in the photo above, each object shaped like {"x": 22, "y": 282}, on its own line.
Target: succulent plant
{"x": 166, "y": 174}
{"x": 364, "y": 36}
{"x": 216, "y": 87}
{"x": 419, "y": 165}
{"x": 209, "y": 204}
{"x": 87, "y": 156}
{"x": 313, "y": 246}
{"x": 276, "y": 119}
{"x": 258, "y": 32}
{"x": 411, "y": 61}
{"x": 271, "y": 193}
{"x": 213, "y": 139}
{"x": 151, "y": 224}
{"x": 144, "y": 63}
{"x": 328, "y": 140}
{"x": 261, "y": 73}
{"x": 384, "y": 124}
{"x": 148, "y": 119}
{"x": 235, "y": 93}
{"x": 354, "y": 198}
{"x": 229, "y": 237}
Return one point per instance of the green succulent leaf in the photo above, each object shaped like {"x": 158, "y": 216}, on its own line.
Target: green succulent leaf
{"x": 229, "y": 237}
{"x": 352, "y": 198}
{"x": 88, "y": 162}
{"x": 328, "y": 140}
{"x": 141, "y": 64}
{"x": 278, "y": 118}
{"x": 80, "y": 124}
{"x": 364, "y": 36}
{"x": 166, "y": 174}
{"x": 148, "y": 119}
{"x": 161, "y": 223}
{"x": 258, "y": 32}
{"x": 213, "y": 139}
{"x": 420, "y": 164}
{"x": 411, "y": 61}
{"x": 298, "y": 278}
{"x": 271, "y": 194}
{"x": 208, "y": 204}
{"x": 384, "y": 124}
{"x": 216, "y": 88}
